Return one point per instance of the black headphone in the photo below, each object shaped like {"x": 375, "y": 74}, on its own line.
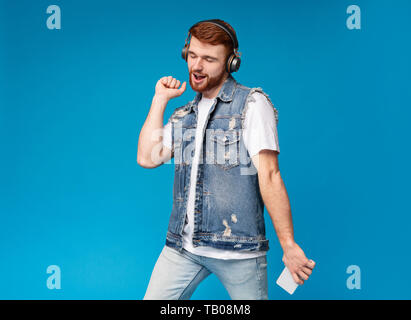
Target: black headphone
{"x": 233, "y": 61}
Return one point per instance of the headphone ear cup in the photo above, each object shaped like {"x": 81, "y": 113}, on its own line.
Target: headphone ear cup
{"x": 233, "y": 63}
{"x": 184, "y": 53}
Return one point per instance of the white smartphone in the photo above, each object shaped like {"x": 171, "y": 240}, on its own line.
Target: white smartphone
{"x": 286, "y": 281}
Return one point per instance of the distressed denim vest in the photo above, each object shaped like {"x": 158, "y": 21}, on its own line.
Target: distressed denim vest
{"x": 228, "y": 209}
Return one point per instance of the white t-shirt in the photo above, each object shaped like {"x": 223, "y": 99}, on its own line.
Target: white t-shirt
{"x": 260, "y": 133}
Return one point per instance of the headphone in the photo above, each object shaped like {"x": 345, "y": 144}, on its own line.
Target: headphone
{"x": 233, "y": 61}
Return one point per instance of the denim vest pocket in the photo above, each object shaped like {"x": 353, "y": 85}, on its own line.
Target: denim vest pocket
{"x": 226, "y": 147}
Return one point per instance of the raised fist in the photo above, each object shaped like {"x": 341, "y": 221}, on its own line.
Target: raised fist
{"x": 167, "y": 87}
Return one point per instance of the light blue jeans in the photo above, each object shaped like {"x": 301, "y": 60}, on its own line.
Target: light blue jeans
{"x": 177, "y": 274}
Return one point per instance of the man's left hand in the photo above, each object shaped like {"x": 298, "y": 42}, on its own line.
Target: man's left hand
{"x": 295, "y": 260}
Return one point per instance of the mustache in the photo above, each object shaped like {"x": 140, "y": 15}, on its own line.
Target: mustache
{"x": 198, "y": 73}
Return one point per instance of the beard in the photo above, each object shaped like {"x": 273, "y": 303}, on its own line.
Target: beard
{"x": 208, "y": 82}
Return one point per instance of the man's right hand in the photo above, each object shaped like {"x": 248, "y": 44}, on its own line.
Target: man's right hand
{"x": 167, "y": 88}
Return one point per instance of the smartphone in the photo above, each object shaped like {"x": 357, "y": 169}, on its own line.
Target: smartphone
{"x": 286, "y": 281}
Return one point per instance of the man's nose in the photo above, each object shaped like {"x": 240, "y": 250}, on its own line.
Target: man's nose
{"x": 198, "y": 64}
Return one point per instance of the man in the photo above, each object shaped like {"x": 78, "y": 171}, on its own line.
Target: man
{"x": 217, "y": 224}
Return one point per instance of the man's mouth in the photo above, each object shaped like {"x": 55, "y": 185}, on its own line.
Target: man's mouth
{"x": 198, "y": 77}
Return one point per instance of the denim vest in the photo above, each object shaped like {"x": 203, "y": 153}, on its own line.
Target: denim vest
{"x": 228, "y": 209}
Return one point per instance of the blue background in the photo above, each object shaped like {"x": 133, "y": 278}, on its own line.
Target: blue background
{"x": 73, "y": 101}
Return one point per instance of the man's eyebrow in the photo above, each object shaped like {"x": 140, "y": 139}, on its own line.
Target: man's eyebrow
{"x": 205, "y": 57}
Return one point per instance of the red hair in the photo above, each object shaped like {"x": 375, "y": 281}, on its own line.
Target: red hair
{"x": 212, "y": 34}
